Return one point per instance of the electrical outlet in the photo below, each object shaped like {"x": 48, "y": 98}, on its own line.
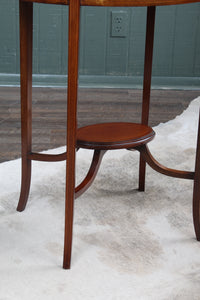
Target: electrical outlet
{"x": 119, "y": 23}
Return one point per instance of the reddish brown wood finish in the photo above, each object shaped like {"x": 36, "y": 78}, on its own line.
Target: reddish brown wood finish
{"x": 147, "y": 156}
{"x": 73, "y": 48}
{"x": 109, "y": 136}
{"x": 86, "y": 183}
{"x": 62, "y": 2}
{"x": 130, "y": 3}
{"x": 196, "y": 191}
{"x": 151, "y": 11}
{"x": 26, "y": 23}
{"x": 115, "y": 3}
{"x": 47, "y": 157}
{"x": 113, "y": 136}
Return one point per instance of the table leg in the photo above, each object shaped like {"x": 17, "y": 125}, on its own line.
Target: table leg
{"x": 196, "y": 191}
{"x": 73, "y": 47}
{"x": 151, "y": 11}
{"x": 26, "y": 23}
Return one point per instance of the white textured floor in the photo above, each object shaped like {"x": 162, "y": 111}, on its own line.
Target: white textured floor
{"x": 127, "y": 244}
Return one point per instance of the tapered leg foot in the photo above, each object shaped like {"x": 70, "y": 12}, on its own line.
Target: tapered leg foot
{"x": 196, "y": 191}
{"x": 67, "y": 261}
{"x": 196, "y": 209}
{"x": 142, "y": 173}
{"x": 25, "y": 185}
{"x": 69, "y": 211}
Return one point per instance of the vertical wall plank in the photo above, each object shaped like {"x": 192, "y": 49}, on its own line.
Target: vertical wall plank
{"x": 196, "y": 62}
{"x": 93, "y": 40}
{"x": 185, "y": 39}
{"x": 164, "y": 40}
{"x": 7, "y": 36}
{"x": 64, "y": 39}
{"x": 50, "y": 41}
{"x": 117, "y": 47}
{"x": 137, "y": 41}
{"x": 16, "y": 32}
{"x": 36, "y": 38}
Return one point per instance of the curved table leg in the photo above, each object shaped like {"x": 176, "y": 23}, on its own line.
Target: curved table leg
{"x": 85, "y": 184}
{"x": 145, "y": 153}
{"x": 154, "y": 164}
{"x": 25, "y": 184}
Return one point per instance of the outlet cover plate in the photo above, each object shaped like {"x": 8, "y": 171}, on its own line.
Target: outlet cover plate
{"x": 119, "y": 23}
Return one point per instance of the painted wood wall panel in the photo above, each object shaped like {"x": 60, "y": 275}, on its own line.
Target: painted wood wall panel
{"x": 8, "y": 37}
{"x": 93, "y": 41}
{"x": 176, "y": 52}
{"x": 137, "y": 41}
{"x": 185, "y": 36}
{"x": 164, "y": 41}
{"x": 196, "y": 62}
{"x": 117, "y": 47}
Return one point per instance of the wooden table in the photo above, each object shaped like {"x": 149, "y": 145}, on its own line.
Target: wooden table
{"x": 99, "y": 137}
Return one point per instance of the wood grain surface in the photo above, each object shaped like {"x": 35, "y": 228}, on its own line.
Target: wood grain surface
{"x": 114, "y": 135}
{"x": 117, "y": 2}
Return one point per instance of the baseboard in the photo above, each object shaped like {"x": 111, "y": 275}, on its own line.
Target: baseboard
{"x": 88, "y": 81}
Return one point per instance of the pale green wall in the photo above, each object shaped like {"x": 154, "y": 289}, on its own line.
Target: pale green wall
{"x": 176, "y": 52}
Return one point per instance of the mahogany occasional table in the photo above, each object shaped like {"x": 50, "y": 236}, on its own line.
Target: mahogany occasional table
{"x": 98, "y": 137}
